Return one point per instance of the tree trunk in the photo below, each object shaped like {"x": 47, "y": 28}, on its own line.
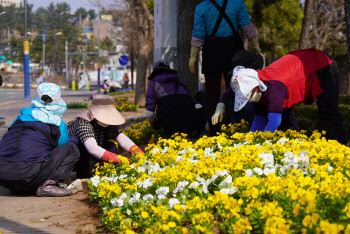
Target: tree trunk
{"x": 186, "y": 11}
{"x": 146, "y": 48}
{"x": 305, "y": 28}
{"x": 347, "y": 9}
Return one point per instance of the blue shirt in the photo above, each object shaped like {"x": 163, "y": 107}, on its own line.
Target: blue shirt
{"x": 206, "y": 16}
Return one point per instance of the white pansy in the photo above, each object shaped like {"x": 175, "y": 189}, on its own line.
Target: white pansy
{"x": 95, "y": 180}
{"x": 249, "y": 172}
{"x": 179, "y": 158}
{"x": 228, "y": 191}
{"x": 141, "y": 169}
{"x": 267, "y": 158}
{"x": 219, "y": 146}
{"x": 227, "y": 181}
{"x": 155, "y": 150}
{"x": 146, "y": 183}
{"x": 193, "y": 185}
{"x": 268, "y": 142}
{"x": 162, "y": 192}
{"x": 312, "y": 170}
{"x": 128, "y": 212}
{"x": 329, "y": 169}
{"x": 135, "y": 198}
{"x": 222, "y": 173}
{"x": 180, "y": 186}
{"x": 282, "y": 141}
{"x": 258, "y": 171}
{"x": 268, "y": 171}
{"x": 148, "y": 197}
{"x": 165, "y": 150}
{"x": 173, "y": 202}
{"x": 122, "y": 177}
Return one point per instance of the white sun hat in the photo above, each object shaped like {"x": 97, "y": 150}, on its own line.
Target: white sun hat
{"x": 243, "y": 81}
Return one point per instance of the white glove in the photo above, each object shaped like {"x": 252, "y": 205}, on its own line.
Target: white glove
{"x": 198, "y": 106}
{"x": 219, "y": 113}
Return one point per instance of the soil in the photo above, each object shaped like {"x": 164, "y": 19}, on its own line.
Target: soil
{"x": 26, "y": 213}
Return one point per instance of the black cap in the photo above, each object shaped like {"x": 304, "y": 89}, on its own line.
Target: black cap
{"x": 159, "y": 67}
{"x": 247, "y": 59}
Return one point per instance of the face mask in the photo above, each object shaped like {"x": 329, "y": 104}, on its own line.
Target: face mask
{"x": 255, "y": 97}
{"x": 102, "y": 124}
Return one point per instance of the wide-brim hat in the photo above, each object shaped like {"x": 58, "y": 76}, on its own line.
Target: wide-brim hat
{"x": 103, "y": 109}
{"x": 159, "y": 67}
{"x": 247, "y": 59}
{"x": 243, "y": 81}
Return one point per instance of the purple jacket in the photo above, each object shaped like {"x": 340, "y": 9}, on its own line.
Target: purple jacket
{"x": 163, "y": 85}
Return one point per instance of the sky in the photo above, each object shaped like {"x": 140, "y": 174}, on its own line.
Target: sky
{"x": 74, "y": 4}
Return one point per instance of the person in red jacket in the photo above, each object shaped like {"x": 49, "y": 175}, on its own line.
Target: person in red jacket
{"x": 299, "y": 76}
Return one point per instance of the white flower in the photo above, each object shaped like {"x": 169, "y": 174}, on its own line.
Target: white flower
{"x": 267, "y": 158}
{"x": 145, "y": 184}
{"x": 226, "y": 181}
{"x": 148, "y": 197}
{"x": 228, "y": 191}
{"x": 312, "y": 170}
{"x": 173, "y": 202}
{"x": 95, "y": 180}
{"x": 282, "y": 141}
{"x": 179, "y": 158}
{"x": 249, "y": 172}
{"x": 162, "y": 192}
{"x": 193, "y": 185}
{"x": 134, "y": 198}
{"x": 219, "y": 146}
{"x": 165, "y": 150}
{"x": 180, "y": 186}
{"x": 119, "y": 202}
{"x": 155, "y": 150}
{"x": 329, "y": 169}
{"x": 221, "y": 173}
{"x": 258, "y": 170}
{"x": 267, "y": 170}
{"x": 128, "y": 212}
{"x": 122, "y": 177}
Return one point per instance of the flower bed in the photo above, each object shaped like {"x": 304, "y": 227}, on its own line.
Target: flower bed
{"x": 77, "y": 105}
{"x": 236, "y": 182}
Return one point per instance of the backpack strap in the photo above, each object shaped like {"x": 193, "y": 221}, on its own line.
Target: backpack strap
{"x": 222, "y": 14}
{"x": 53, "y": 139}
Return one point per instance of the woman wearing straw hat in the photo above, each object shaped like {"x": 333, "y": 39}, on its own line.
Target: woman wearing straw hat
{"x": 94, "y": 129}
{"x": 299, "y": 76}
{"x": 34, "y": 153}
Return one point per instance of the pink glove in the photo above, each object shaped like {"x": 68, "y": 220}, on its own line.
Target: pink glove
{"x": 135, "y": 149}
{"x": 107, "y": 156}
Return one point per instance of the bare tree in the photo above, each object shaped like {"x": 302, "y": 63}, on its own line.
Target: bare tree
{"x": 138, "y": 25}
{"x": 305, "y": 28}
{"x": 184, "y": 32}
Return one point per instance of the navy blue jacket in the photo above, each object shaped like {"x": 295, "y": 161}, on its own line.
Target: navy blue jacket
{"x": 32, "y": 146}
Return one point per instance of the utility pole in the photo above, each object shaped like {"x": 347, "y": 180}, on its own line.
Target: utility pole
{"x": 98, "y": 53}
{"x": 44, "y": 42}
{"x": 67, "y": 76}
{"x": 26, "y": 57}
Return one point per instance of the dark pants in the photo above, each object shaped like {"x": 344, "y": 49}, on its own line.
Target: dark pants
{"x": 213, "y": 91}
{"x": 329, "y": 116}
{"x": 87, "y": 163}
{"x": 246, "y": 113}
{"x": 59, "y": 165}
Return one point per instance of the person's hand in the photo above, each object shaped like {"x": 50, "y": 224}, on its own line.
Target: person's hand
{"x": 135, "y": 149}
{"x": 109, "y": 156}
{"x": 193, "y": 59}
{"x": 256, "y": 46}
{"x": 198, "y": 106}
{"x": 219, "y": 114}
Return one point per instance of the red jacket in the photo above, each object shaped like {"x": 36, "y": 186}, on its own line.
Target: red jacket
{"x": 297, "y": 70}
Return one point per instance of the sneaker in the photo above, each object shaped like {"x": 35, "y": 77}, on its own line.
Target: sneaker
{"x": 50, "y": 189}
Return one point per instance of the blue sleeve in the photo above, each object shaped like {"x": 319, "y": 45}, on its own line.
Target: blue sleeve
{"x": 199, "y": 23}
{"x": 274, "y": 121}
{"x": 258, "y": 124}
{"x": 243, "y": 16}
{"x": 64, "y": 138}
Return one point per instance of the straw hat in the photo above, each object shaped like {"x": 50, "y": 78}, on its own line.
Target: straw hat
{"x": 103, "y": 109}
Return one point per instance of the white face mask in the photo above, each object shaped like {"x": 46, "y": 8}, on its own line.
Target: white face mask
{"x": 255, "y": 97}
{"x": 102, "y": 124}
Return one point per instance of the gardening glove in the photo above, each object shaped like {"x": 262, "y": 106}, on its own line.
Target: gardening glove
{"x": 219, "y": 113}
{"x": 108, "y": 156}
{"x": 193, "y": 59}
{"x": 198, "y": 106}
{"x": 135, "y": 149}
{"x": 256, "y": 46}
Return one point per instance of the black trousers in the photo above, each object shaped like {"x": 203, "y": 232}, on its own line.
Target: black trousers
{"x": 329, "y": 116}
{"x": 59, "y": 165}
{"x": 212, "y": 96}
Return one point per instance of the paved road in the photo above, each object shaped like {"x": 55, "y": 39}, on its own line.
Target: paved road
{"x": 10, "y": 95}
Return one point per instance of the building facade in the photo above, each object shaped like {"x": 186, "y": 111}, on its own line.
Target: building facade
{"x": 7, "y": 3}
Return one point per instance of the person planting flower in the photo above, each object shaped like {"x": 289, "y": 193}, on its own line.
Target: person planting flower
{"x": 35, "y": 153}
{"x": 94, "y": 129}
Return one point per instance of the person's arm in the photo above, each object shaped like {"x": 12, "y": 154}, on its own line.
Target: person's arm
{"x": 259, "y": 123}
{"x": 274, "y": 121}
{"x": 128, "y": 144}
{"x": 152, "y": 118}
{"x": 197, "y": 41}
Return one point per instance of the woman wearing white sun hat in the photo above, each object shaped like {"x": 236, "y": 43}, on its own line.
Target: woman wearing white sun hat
{"x": 299, "y": 76}
{"x": 94, "y": 129}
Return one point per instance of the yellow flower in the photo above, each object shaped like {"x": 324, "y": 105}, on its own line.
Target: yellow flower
{"x": 172, "y": 224}
{"x": 144, "y": 214}
{"x": 165, "y": 227}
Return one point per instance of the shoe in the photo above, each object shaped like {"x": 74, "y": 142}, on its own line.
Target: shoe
{"x": 50, "y": 189}
{"x": 76, "y": 186}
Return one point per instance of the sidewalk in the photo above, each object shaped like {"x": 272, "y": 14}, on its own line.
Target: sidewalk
{"x": 29, "y": 214}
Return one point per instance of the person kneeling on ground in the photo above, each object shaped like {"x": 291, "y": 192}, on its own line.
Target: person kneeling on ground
{"x": 94, "y": 129}
{"x": 246, "y": 59}
{"x": 169, "y": 104}
{"x": 299, "y": 76}
{"x": 35, "y": 153}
